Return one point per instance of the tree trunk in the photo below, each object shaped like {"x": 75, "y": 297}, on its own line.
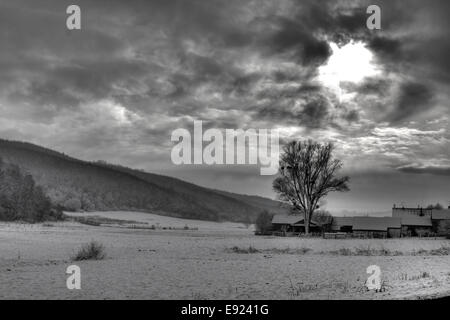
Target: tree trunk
{"x": 307, "y": 219}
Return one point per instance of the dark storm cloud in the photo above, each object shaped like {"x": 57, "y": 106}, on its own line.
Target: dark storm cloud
{"x": 193, "y": 39}
{"x": 289, "y": 92}
{"x": 413, "y": 98}
{"x": 370, "y": 86}
{"x": 242, "y": 84}
{"x": 386, "y": 48}
{"x": 297, "y": 42}
{"x": 68, "y": 86}
{"x": 112, "y": 50}
{"x": 352, "y": 116}
{"x": 312, "y": 112}
{"x": 415, "y": 36}
{"x": 440, "y": 171}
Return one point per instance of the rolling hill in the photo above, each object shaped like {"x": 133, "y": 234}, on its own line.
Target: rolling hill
{"x": 90, "y": 186}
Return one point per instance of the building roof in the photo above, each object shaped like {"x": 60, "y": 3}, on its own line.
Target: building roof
{"x": 291, "y": 219}
{"x": 367, "y": 223}
{"x": 443, "y": 214}
{"x": 413, "y": 220}
{"x": 287, "y": 218}
{"x": 302, "y": 223}
{"x": 342, "y": 221}
{"x": 376, "y": 223}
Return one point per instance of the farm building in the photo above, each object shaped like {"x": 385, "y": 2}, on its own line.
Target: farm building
{"x": 367, "y": 227}
{"x": 292, "y": 224}
{"x": 405, "y": 222}
{"x": 342, "y": 224}
{"x": 437, "y": 217}
{"x": 399, "y": 212}
{"x": 376, "y": 227}
{"x": 413, "y": 225}
{"x": 442, "y": 214}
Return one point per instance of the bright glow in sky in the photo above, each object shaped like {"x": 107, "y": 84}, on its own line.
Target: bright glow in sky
{"x": 351, "y": 62}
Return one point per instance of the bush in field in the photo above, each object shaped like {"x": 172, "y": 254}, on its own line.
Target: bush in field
{"x": 250, "y": 249}
{"x": 72, "y": 204}
{"x": 422, "y": 232}
{"x": 90, "y": 251}
{"x": 21, "y": 198}
{"x": 263, "y": 222}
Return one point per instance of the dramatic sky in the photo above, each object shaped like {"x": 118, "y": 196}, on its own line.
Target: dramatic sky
{"x": 137, "y": 70}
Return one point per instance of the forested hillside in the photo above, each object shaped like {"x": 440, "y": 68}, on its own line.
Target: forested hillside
{"x": 80, "y": 185}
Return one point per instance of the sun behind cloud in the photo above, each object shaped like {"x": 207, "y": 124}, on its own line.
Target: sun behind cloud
{"x": 350, "y": 63}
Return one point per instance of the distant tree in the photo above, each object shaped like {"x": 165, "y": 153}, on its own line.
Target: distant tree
{"x": 263, "y": 223}
{"x": 443, "y": 228}
{"x": 324, "y": 218}
{"x": 307, "y": 173}
{"x": 437, "y": 206}
{"x": 42, "y": 206}
{"x": 20, "y": 197}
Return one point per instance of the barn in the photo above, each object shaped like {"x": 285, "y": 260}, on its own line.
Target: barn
{"x": 399, "y": 212}
{"x": 413, "y": 225}
{"x": 376, "y": 227}
{"x": 403, "y": 224}
{"x": 442, "y": 214}
{"x": 439, "y": 219}
{"x": 292, "y": 224}
{"x": 342, "y": 224}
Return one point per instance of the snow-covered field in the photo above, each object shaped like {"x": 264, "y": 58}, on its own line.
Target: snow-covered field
{"x": 202, "y": 264}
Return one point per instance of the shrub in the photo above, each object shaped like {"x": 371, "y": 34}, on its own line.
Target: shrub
{"x": 90, "y": 221}
{"x": 442, "y": 251}
{"x": 263, "y": 222}
{"x": 250, "y": 249}
{"x": 324, "y": 218}
{"x": 303, "y": 250}
{"x": 72, "y": 204}
{"x": 344, "y": 252}
{"x": 90, "y": 251}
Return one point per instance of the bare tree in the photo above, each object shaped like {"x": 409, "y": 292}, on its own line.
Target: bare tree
{"x": 307, "y": 173}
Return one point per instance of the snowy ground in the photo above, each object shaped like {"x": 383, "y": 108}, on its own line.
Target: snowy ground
{"x": 144, "y": 263}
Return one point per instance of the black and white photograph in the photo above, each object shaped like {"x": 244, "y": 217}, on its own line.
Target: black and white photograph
{"x": 235, "y": 150}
